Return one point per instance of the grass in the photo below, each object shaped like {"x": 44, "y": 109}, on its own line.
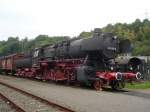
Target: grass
{"x": 139, "y": 85}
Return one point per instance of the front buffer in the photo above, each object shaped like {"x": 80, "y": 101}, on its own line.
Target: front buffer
{"x": 114, "y": 79}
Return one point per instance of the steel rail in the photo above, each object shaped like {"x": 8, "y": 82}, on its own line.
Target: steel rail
{"x": 11, "y": 103}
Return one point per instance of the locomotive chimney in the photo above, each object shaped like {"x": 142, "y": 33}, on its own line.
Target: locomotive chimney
{"x": 97, "y": 32}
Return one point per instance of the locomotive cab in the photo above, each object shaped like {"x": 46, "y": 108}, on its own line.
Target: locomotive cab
{"x": 37, "y": 55}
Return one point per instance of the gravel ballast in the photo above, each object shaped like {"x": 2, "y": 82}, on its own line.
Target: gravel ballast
{"x": 5, "y": 107}
{"x": 83, "y": 100}
{"x": 28, "y": 104}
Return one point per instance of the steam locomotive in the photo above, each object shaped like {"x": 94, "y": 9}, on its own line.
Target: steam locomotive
{"x": 85, "y": 61}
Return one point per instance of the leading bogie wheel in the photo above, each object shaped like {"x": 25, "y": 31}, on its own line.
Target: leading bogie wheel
{"x": 97, "y": 85}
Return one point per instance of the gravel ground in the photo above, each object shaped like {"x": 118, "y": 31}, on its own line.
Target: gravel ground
{"x": 27, "y": 103}
{"x": 85, "y": 100}
{"x": 4, "y": 107}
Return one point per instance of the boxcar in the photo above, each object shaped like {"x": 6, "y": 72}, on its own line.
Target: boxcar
{"x": 7, "y": 62}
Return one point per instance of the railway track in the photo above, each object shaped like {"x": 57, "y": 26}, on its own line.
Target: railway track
{"x": 5, "y": 106}
{"x": 23, "y": 101}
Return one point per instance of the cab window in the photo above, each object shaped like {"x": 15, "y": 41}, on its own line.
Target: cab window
{"x": 36, "y": 53}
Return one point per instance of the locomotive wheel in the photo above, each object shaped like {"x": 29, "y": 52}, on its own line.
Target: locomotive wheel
{"x": 117, "y": 85}
{"x": 98, "y": 85}
{"x": 68, "y": 83}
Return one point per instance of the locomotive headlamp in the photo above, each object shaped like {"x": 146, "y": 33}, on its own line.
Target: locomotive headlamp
{"x": 111, "y": 68}
{"x": 115, "y": 37}
{"x": 118, "y": 76}
{"x": 130, "y": 68}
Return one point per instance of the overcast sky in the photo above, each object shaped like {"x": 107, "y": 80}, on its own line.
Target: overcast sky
{"x": 29, "y": 18}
